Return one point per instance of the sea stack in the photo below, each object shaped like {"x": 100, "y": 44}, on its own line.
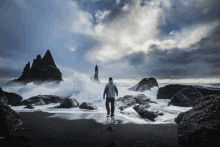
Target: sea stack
{"x": 96, "y": 79}
{"x": 42, "y": 70}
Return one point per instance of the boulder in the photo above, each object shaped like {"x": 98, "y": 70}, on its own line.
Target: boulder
{"x": 42, "y": 70}
{"x": 30, "y": 106}
{"x": 185, "y": 97}
{"x": 68, "y": 103}
{"x": 50, "y": 98}
{"x": 143, "y": 112}
{"x": 33, "y": 100}
{"x": 42, "y": 100}
{"x": 13, "y": 98}
{"x": 142, "y": 99}
{"x": 88, "y": 106}
{"x": 9, "y": 119}
{"x": 168, "y": 91}
{"x": 200, "y": 126}
{"x": 145, "y": 84}
{"x": 129, "y": 100}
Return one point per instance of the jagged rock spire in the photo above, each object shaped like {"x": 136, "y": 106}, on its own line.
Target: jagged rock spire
{"x": 41, "y": 70}
{"x": 48, "y": 59}
{"x": 96, "y": 74}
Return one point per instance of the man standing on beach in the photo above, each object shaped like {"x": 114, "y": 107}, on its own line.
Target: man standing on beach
{"x": 110, "y": 90}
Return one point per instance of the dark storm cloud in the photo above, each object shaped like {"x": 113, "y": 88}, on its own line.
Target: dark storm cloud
{"x": 177, "y": 63}
{"x": 168, "y": 73}
{"x": 136, "y": 58}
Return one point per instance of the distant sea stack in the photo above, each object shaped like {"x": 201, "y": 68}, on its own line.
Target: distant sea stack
{"x": 96, "y": 78}
{"x": 42, "y": 70}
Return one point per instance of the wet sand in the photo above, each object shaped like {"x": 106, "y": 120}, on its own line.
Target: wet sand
{"x": 40, "y": 129}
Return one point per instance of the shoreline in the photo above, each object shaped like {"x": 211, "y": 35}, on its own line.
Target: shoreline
{"x": 39, "y": 129}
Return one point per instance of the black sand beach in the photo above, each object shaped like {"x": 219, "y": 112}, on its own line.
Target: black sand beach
{"x": 39, "y": 130}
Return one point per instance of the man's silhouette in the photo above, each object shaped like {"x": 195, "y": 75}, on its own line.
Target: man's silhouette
{"x": 110, "y": 90}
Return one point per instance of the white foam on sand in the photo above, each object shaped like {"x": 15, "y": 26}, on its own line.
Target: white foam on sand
{"x": 93, "y": 93}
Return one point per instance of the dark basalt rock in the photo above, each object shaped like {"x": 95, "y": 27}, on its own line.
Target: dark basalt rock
{"x": 50, "y": 98}
{"x": 9, "y": 119}
{"x": 168, "y": 91}
{"x": 42, "y": 70}
{"x": 200, "y": 126}
{"x": 88, "y": 106}
{"x": 129, "y": 100}
{"x": 25, "y": 73}
{"x": 143, "y": 112}
{"x": 13, "y": 98}
{"x": 186, "y": 97}
{"x": 29, "y": 106}
{"x": 68, "y": 103}
{"x": 33, "y": 100}
{"x": 145, "y": 84}
{"x": 42, "y": 100}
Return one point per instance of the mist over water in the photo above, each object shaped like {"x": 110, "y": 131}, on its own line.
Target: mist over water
{"x": 81, "y": 88}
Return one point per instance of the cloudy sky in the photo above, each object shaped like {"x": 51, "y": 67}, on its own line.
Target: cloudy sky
{"x": 171, "y": 40}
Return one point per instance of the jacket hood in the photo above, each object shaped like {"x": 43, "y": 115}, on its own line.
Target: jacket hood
{"x": 110, "y": 82}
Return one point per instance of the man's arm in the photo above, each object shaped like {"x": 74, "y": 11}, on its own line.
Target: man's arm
{"x": 105, "y": 91}
{"x": 116, "y": 90}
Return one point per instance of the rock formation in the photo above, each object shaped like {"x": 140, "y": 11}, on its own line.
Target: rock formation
{"x": 96, "y": 78}
{"x": 42, "y": 100}
{"x": 68, "y": 103}
{"x": 41, "y": 70}
{"x": 142, "y": 108}
{"x": 13, "y": 98}
{"x": 88, "y": 106}
{"x": 129, "y": 100}
{"x": 200, "y": 126}
{"x": 30, "y": 106}
{"x": 145, "y": 84}
{"x": 9, "y": 119}
{"x": 186, "y": 97}
{"x": 168, "y": 91}
{"x": 34, "y": 100}
{"x": 143, "y": 112}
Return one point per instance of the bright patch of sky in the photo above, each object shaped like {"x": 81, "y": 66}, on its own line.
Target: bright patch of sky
{"x": 124, "y": 37}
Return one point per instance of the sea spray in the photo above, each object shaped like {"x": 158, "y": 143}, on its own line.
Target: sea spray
{"x": 80, "y": 87}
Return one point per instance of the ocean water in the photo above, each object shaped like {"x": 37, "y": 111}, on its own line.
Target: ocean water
{"x": 83, "y": 90}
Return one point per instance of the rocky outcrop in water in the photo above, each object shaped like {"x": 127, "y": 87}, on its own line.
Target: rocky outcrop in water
{"x": 42, "y": 100}
{"x": 186, "y": 97}
{"x": 142, "y": 108}
{"x": 200, "y": 126}
{"x": 145, "y": 113}
{"x": 168, "y": 91}
{"x": 68, "y": 103}
{"x": 129, "y": 100}
{"x": 145, "y": 84}
{"x": 41, "y": 70}
{"x": 50, "y": 98}
{"x": 33, "y": 100}
{"x": 9, "y": 119}
{"x": 13, "y": 98}
{"x": 88, "y": 106}
{"x": 30, "y": 106}
{"x": 96, "y": 78}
